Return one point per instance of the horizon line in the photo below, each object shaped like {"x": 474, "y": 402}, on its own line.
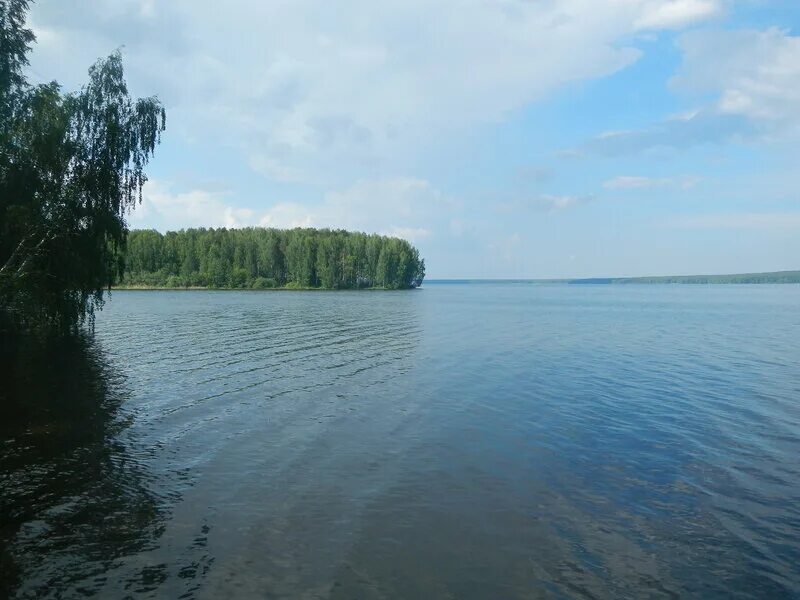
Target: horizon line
{"x": 607, "y": 278}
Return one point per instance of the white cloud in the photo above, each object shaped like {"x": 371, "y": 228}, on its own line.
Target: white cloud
{"x": 147, "y": 8}
{"x": 506, "y": 249}
{"x": 304, "y": 86}
{"x": 459, "y": 227}
{"x": 751, "y": 221}
{"x": 707, "y": 126}
{"x": 521, "y": 205}
{"x": 754, "y": 73}
{"x": 385, "y": 205}
{"x": 403, "y": 207}
{"x": 276, "y": 171}
{"x": 674, "y": 14}
{"x": 628, "y": 182}
{"x": 751, "y": 77}
{"x": 559, "y": 203}
{"x": 412, "y": 234}
{"x": 287, "y": 215}
{"x": 164, "y": 209}
{"x": 536, "y": 173}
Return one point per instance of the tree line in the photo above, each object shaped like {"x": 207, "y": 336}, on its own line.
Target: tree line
{"x": 258, "y": 258}
{"x": 737, "y": 278}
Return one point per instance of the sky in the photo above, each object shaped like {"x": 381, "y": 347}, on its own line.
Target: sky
{"x": 504, "y": 138}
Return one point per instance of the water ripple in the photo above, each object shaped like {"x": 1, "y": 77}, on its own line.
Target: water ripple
{"x": 459, "y": 441}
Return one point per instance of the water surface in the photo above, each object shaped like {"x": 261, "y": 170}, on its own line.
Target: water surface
{"x": 469, "y": 441}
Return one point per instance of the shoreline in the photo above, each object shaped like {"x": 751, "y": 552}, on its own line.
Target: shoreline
{"x": 150, "y": 288}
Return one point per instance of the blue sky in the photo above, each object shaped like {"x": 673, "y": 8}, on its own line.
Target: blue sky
{"x": 505, "y": 138}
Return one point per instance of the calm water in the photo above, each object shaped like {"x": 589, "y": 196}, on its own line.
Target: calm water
{"x": 460, "y": 441}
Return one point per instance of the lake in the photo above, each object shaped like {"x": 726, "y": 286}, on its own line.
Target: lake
{"x": 457, "y": 441}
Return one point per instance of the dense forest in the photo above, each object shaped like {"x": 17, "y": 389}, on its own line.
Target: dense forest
{"x": 258, "y": 258}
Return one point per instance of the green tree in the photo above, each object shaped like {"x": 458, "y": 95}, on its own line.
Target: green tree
{"x": 329, "y": 267}
{"x": 300, "y": 254}
{"x": 71, "y": 166}
{"x": 267, "y": 258}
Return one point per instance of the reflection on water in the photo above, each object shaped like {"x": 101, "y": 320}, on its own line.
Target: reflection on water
{"x": 71, "y": 500}
{"x": 458, "y": 441}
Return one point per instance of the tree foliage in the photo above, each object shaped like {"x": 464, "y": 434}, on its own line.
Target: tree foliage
{"x": 71, "y": 166}
{"x": 267, "y": 258}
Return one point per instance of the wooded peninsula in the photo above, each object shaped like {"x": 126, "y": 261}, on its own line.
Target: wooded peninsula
{"x": 259, "y": 258}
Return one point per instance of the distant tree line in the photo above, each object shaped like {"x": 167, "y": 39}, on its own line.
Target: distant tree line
{"x": 258, "y": 258}
{"x": 770, "y": 277}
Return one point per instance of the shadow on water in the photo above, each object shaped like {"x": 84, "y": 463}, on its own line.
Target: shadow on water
{"x": 67, "y": 491}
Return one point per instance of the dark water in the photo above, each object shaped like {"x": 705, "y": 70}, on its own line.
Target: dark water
{"x": 460, "y": 441}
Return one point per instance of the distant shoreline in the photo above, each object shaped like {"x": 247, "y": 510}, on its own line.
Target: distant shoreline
{"x": 772, "y": 277}
{"x": 153, "y": 288}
